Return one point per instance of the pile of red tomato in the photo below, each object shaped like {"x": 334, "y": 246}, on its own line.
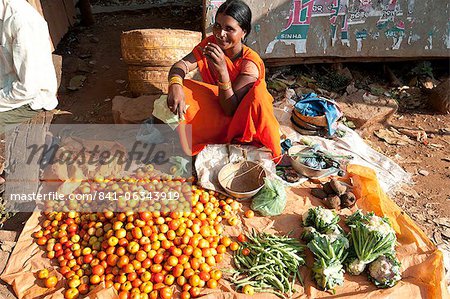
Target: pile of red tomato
{"x": 141, "y": 254}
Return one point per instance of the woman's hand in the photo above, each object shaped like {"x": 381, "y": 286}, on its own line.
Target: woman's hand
{"x": 216, "y": 57}
{"x": 176, "y": 100}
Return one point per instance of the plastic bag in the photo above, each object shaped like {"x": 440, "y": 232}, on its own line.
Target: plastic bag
{"x": 271, "y": 199}
{"x": 148, "y": 133}
{"x": 181, "y": 164}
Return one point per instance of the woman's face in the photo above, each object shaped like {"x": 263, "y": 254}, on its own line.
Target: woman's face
{"x": 227, "y": 32}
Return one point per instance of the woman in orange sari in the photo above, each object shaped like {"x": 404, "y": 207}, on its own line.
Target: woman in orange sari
{"x": 232, "y": 104}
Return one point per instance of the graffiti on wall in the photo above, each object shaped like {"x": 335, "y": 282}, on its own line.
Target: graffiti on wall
{"x": 212, "y": 9}
{"x": 295, "y": 32}
{"x": 393, "y": 22}
{"x": 343, "y": 14}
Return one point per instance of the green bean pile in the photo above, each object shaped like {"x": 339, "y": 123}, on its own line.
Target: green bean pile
{"x": 270, "y": 264}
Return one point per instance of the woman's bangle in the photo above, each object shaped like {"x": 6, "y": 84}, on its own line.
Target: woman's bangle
{"x": 175, "y": 80}
{"x": 224, "y": 86}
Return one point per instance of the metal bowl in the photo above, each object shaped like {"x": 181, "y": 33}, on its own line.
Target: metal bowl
{"x": 304, "y": 169}
{"x": 243, "y": 179}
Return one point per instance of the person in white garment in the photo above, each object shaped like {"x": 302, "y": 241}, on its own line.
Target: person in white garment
{"x": 27, "y": 76}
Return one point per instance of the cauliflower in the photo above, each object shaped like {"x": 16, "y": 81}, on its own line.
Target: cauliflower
{"x": 328, "y": 243}
{"x": 370, "y": 237}
{"x": 384, "y": 272}
{"x": 328, "y": 274}
{"x": 380, "y": 225}
{"x": 327, "y": 216}
{"x": 320, "y": 218}
{"x": 356, "y": 267}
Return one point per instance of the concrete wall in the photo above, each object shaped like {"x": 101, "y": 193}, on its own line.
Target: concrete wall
{"x": 351, "y": 29}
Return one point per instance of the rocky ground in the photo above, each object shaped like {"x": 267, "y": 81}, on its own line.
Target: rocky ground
{"x": 415, "y": 136}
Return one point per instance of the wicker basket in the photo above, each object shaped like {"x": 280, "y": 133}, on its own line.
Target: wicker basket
{"x": 148, "y": 80}
{"x": 299, "y": 129}
{"x": 304, "y": 125}
{"x": 319, "y": 121}
{"x": 157, "y": 47}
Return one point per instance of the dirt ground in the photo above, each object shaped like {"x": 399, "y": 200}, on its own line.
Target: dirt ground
{"x": 94, "y": 53}
{"x": 429, "y": 197}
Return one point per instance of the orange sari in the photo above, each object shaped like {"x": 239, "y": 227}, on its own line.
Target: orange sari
{"x": 252, "y": 123}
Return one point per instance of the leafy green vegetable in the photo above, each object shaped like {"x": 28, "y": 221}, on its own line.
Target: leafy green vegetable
{"x": 323, "y": 247}
{"x": 329, "y": 245}
{"x": 373, "y": 238}
{"x": 370, "y": 237}
{"x": 329, "y": 255}
{"x": 328, "y": 274}
{"x": 358, "y": 216}
{"x": 271, "y": 199}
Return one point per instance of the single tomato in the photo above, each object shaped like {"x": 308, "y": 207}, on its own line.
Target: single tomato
{"x": 43, "y": 274}
{"x": 166, "y": 293}
{"x": 71, "y": 293}
{"x": 50, "y": 282}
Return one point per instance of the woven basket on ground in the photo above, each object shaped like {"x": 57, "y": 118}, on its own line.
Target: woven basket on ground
{"x": 148, "y": 79}
{"x": 157, "y": 47}
{"x": 301, "y": 123}
{"x": 319, "y": 121}
{"x": 320, "y": 132}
